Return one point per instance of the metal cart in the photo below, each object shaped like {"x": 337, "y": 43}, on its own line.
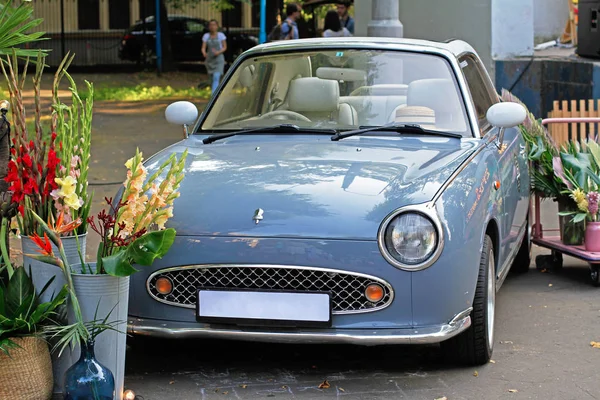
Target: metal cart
{"x": 553, "y": 242}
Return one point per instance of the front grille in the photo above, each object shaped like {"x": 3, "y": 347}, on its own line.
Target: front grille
{"x": 347, "y": 288}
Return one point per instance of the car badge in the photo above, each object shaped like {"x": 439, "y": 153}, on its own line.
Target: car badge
{"x": 258, "y": 215}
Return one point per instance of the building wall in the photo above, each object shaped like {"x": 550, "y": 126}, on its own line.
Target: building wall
{"x": 468, "y": 20}
{"x": 497, "y": 29}
{"x": 550, "y": 17}
{"x": 49, "y": 10}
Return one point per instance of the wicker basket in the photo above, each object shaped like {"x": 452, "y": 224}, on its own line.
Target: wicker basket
{"x": 27, "y": 373}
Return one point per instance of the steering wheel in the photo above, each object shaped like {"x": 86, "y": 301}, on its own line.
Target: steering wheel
{"x": 285, "y": 113}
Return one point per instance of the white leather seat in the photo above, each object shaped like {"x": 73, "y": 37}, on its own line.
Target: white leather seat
{"x": 319, "y": 100}
{"x": 374, "y": 110}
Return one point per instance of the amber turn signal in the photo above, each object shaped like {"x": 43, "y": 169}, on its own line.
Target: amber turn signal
{"x": 164, "y": 285}
{"x": 374, "y": 293}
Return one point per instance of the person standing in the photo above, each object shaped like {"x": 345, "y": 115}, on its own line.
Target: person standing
{"x": 346, "y": 20}
{"x": 214, "y": 45}
{"x": 333, "y": 26}
{"x": 289, "y": 28}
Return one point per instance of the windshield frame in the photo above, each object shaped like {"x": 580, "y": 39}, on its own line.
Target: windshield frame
{"x": 287, "y": 48}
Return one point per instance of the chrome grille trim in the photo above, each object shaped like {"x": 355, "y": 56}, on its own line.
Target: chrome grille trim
{"x": 338, "y": 309}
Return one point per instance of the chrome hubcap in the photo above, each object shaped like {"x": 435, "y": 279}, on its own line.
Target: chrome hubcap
{"x": 491, "y": 298}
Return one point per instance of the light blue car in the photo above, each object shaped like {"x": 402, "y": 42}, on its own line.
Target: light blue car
{"x": 356, "y": 190}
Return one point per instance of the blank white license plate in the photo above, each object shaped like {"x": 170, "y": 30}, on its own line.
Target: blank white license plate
{"x": 264, "y": 308}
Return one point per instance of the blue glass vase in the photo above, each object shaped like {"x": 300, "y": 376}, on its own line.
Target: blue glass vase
{"x": 87, "y": 379}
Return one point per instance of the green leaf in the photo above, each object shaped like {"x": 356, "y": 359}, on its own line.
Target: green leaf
{"x": 44, "y": 309}
{"x": 151, "y": 246}
{"x": 565, "y": 213}
{"x": 2, "y": 306}
{"x": 579, "y": 218}
{"x": 19, "y": 288}
{"x": 118, "y": 264}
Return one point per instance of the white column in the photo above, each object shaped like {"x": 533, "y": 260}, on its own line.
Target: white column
{"x": 512, "y": 28}
{"x": 384, "y": 19}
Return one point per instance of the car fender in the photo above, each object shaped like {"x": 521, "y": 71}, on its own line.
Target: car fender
{"x": 467, "y": 205}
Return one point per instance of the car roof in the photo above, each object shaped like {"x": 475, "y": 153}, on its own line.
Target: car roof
{"x": 453, "y": 46}
{"x": 171, "y": 17}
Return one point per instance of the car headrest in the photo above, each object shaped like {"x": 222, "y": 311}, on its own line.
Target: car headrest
{"x": 313, "y": 95}
{"x": 246, "y": 78}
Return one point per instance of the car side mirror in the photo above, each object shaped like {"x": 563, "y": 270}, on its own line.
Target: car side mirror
{"x": 505, "y": 115}
{"x": 182, "y": 113}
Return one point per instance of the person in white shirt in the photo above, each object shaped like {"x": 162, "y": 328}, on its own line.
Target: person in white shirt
{"x": 333, "y": 26}
{"x": 214, "y": 44}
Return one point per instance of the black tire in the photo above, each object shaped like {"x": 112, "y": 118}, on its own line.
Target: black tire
{"x": 475, "y": 345}
{"x": 595, "y": 275}
{"x": 522, "y": 261}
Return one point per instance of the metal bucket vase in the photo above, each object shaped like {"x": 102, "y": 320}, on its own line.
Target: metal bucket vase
{"x": 111, "y": 293}
{"x": 41, "y": 273}
{"x": 571, "y": 234}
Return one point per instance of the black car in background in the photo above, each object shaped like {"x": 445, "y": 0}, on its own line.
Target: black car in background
{"x": 139, "y": 42}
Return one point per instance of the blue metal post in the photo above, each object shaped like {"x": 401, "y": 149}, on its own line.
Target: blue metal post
{"x": 263, "y": 22}
{"x": 158, "y": 38}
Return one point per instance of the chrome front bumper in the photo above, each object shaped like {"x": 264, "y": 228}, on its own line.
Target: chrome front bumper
{"x": 366, "y": 337}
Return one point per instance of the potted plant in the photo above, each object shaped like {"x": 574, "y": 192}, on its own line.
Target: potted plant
{"x": 47, "y": 172}
{"x": 544, "y": 158}
{"x": 25, "y": 364}
{"x": 132, "y": 233}
{"x": 579, "y": 168}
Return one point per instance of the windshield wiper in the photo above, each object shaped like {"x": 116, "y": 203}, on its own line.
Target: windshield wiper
{"x": 400, "y": 128}
{"x": 281, "y": 128}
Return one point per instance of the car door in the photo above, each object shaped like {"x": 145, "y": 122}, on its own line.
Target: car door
{"x": 192, "y": 41}
{"x": 509, "y": 153}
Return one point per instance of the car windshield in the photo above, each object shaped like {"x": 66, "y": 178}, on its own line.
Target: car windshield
{"x": 340, "y": 89}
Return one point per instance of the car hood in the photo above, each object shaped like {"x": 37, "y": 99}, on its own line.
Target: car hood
{"x": 307, "y": 186}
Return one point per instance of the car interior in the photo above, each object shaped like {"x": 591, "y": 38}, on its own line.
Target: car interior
{"x": 335, "y": 96}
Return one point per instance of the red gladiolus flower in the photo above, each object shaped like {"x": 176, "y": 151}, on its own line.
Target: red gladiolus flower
{"x": 27, "y": 160}
{"x": 45, "y": 246}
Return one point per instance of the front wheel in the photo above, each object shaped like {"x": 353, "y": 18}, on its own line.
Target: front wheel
{"x": 475, "y": 345}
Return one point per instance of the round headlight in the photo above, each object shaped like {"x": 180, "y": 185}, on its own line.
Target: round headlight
{"x": 411, "y": 238}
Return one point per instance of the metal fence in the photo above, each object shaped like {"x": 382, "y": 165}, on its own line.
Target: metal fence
{"x": 94, "y": 29}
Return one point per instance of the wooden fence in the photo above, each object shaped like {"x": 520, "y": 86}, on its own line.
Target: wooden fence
{"x": 574, "y": 109}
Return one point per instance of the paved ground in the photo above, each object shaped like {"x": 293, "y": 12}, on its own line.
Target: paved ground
{"x": 545, "y": 323}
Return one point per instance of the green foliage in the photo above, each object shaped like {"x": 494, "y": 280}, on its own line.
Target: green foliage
{"x": 21, "y": 313}
{"x": 142, "y": 251}
{"x": 15, "y": 22}
{"x": 142, "y": 92}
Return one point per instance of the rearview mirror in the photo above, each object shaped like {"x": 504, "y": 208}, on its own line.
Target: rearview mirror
{"x": 506, "y": 115}
{"x": 181, "y": 113}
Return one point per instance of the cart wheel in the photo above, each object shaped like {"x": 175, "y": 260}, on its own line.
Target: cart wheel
{"x": 557, "y": 260}
{"x": 545, "y": 262}
{"x": 595, "y": 275}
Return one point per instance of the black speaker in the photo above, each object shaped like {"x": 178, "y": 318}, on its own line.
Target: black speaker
{"x": 588, "y": 31}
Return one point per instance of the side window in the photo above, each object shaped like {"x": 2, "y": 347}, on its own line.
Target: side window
{"x": 195, "y": 27}
{"x": 482, "y": 98}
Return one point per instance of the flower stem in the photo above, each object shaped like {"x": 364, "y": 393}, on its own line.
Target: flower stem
{"x": 5, "y": 255}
